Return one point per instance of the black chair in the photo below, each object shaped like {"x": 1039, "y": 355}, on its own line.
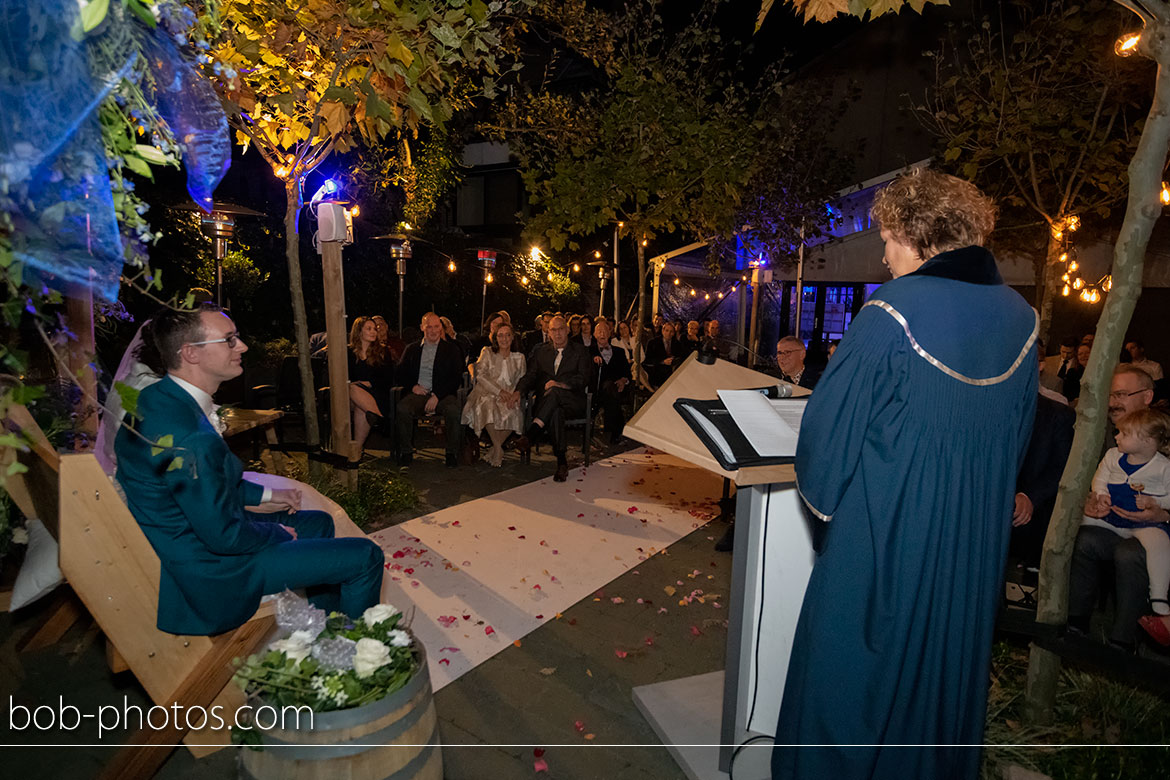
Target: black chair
{"x": 586, "y": 421}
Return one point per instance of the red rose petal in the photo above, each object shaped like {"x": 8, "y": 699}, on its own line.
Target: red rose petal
{"x": 489, "y": 630}
{"x": 538, "y": 752}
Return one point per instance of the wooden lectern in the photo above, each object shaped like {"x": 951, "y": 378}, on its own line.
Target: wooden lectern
{"x": 703, "y": 719}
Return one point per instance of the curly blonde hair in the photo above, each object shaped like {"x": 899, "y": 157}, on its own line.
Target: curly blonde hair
{"x": 1151, "y": 423}
{"x": 934, "y": 212}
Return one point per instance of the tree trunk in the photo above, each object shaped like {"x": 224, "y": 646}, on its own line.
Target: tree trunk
{"x": 1142, "y": 209}
{"x": 1053, "y": 270}
{"x": 640, "y": 324}
{"x": 292, "y": 252}
{"x": 79, "y": 316}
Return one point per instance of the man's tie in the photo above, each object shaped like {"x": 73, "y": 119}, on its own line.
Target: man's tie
{"x": 557, "y": 362}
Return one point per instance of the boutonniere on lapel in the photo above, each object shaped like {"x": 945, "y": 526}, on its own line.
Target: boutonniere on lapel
{"x": 221, "y": 417}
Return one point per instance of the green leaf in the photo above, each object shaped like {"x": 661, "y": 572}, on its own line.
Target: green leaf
{"x": 164, "y": 442}
{"x": 93, "y": 13}
{"x": 142, "y": 12}
{"x": 16, "y": 467}
{"x": 286, "y": 103}
{"x": 176, "y": 464}
{"x": 129, "y": 397}
{"x": 26, "y": 394}
{"x": 151, "y": 154}
{"x": 138, "y": 165}
{"x": 342, "y": 94}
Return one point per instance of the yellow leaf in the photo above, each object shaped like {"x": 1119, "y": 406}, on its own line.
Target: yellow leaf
{"x": 396, "y": 49}
{"x": 335, "y": 117}
{"x": 669, "y": 590}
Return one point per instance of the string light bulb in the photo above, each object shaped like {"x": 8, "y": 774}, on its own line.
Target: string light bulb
{"x": 1073, "y": 265}
{"x": 644, "y": 242}
{"x": 550, "y": 276}
{"x": 1078, "y": 283}
{"x": 1065, "y": 278}
{"x": 597, "y": 254}
{"x": 524, "y": 280}
{"x": 719, "y": 295}
{"x": 355, "y": 211}
{"x": 576, "y": 267}
{"x": 1085, "y": 296}
{"x": 1072, "y": 223}
{"x": 281, "y": 172}
{"x": 1064, "y": 257}
{"x": 488, "y": 279}
{"x": 1107, "y": 283}
{"x": 1127, "y": 44}
{"x": 693, "y": 293}
{"x": 676, "y": 281}
{"x": 1094, "y": 297}
{"x": 706, "y": 296}
{"x": 1165, "y": 194}
{"x": 1065, "y": 292}
{"x": 451, "y": 266}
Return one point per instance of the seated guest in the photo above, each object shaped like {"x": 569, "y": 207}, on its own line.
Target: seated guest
{"x": 394, "y": 345}
{"x": 1071, "y": 388}
{"x": 790, "y": 362}
{"x": 493, "y": 321}
{"x": 539, "y": 335}
{"x": 459, "y": 339}
{"x": 575, "y": 327}
{"x": 1137, "y": 356}
{"x": 663, "y": 354}
{"x": 624, "y": 338}
{"x": 431, "y": 370}
{"x": 371, "y": 375}
{"x": 559, "y": 373}
{"x": 694, "y": 338}
{"x": 612, "y": 368}
{"x": 585, "y": 338}
{"x": 1099, "y": 552}
{"x": 1057, "y": 366}
{"x": 492, "y": 404}
{"x": 188, "y": 495}
{"x": 715, "y": 342}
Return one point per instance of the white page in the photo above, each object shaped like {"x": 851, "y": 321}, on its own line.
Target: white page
{"x": 712, "y": 431}
{"x": 791, "y": 410}
{"x": 768, "y": 433}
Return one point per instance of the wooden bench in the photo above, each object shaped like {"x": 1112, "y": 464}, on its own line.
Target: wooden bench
{"x": 110, "y": 565}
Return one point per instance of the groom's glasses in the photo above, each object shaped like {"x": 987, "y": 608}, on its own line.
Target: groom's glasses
{"x": 231, "y": 340}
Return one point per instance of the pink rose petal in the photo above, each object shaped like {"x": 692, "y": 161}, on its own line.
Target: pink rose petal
{"x": 620, "y": 653}
{"x": 447, "y": 620}
{"x": 489, "y": 630}
{"x": 540, "y": 765}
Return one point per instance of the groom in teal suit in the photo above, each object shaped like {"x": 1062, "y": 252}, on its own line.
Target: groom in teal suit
{"x": 189, "y": 496}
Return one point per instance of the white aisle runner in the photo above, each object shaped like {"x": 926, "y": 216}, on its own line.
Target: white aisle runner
{"x": 483, "y": 574}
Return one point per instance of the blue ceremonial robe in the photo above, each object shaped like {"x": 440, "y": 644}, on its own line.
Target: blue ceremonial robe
{"x": 908, "y": 452}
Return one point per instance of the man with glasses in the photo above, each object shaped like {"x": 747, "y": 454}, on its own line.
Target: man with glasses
{"x": 1099, "y": 550}
{"x": 186, "y": 490}
{"x": 790, "y": 354}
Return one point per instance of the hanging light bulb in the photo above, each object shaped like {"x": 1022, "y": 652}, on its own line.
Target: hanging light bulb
{"x": 1065, "y": 278}
{"x": 1078, "y": 283}
{"x": 1072, "y": 223}
{"x": 1165, "y": 194}
{"x": 550, "y": 276}
{"x": 451, "y": 266}
{"x": 1065, "y": 292}
{"x": 706, "y": 296}
{"x": 524, "y": 280}
{"x": 1064, "y": 257}
{"x": 576, "y": 267}
{"x": 643, "y": 242}
{"x": 1127, "y": 44}
{"x": 597, "y": 254}
{"x": 1096, "y": 297}
{"x": 676, "y": 282}
{"x": 1107, "y": 283}
{"x": 693, "y": 293}
{"x": 719, "y": 295}
{"x": 1085, "y": 296}
{"x": 1073, "y": 266}
{"x": 355, "y": 211}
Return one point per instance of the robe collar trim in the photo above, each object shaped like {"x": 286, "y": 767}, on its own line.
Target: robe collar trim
{"x": 972, "y": 264}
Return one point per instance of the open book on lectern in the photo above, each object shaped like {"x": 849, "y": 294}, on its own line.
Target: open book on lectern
{"x": 747, "y": 427}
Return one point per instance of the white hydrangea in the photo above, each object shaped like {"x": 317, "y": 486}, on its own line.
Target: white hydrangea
{"x": 379, "y": 612}
{"x": 371, "y": 655}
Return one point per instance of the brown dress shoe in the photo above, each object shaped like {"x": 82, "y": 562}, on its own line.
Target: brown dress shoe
{"x": 562, "y": 474}
{"x": 523, "y": 447}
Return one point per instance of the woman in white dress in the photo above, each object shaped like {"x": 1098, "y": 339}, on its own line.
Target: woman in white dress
{"x": 490, "y": 404}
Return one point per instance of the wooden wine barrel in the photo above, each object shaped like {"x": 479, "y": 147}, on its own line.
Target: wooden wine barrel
{"x": 394, "y": 738}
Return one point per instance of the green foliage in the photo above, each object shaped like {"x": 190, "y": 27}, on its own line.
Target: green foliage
{"x": 378, "y": 494}
{"x": 1091, "y": 710}
{"x": 241, "y": 278}
{"x": 1045, "y": 118}
{"x": 282, "y": 681}
{"x": 270, "y": 354}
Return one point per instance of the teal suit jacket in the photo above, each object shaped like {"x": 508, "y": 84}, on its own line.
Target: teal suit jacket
{"x": 193, "y": 514}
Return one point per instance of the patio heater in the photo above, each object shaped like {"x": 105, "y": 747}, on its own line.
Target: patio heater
{"x": 400, "y": 252}
{"x": 487, "y": 261}
{"x": 220, "y": 227}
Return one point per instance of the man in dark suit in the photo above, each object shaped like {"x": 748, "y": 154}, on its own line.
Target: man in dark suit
{"x": 790, "y": 354}
{"x": 612, "y": 369}
{"x": 1039, "y": 478}
{"x": 432, "y": 370}
{"x": 185, "y": 488}
{"x": 559, "y": 372}
{"x": 663, "y": 353}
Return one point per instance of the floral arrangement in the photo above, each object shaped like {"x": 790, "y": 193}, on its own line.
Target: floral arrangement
{"x": 330, "y": 662}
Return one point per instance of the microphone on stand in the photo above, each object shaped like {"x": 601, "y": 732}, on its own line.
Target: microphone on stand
{"x": 708, "y": 352}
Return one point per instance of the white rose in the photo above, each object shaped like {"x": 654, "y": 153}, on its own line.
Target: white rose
{"x": 371, "y": 655}
{"x": 399, "y": 638}
{"x": 297, "y": 647}
{"x": 379, "y": 612}
{"x": 20, "y": 535}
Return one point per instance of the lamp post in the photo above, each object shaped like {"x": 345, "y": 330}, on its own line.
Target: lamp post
{"x": 220, "y": 226}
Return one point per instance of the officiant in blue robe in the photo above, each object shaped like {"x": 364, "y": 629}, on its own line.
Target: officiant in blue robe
{"x": 908, "y": 456}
